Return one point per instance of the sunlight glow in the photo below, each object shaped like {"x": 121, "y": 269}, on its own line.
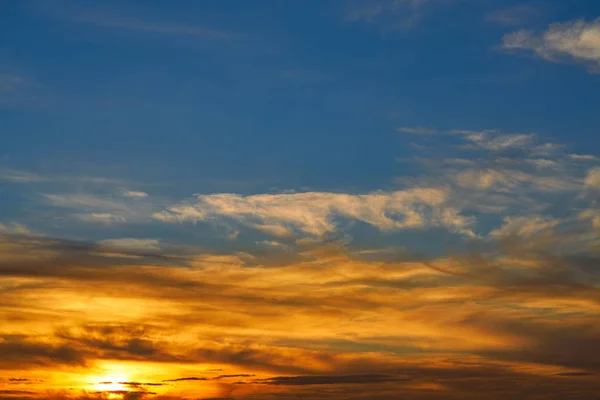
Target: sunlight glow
{"x": 111, "y": 383}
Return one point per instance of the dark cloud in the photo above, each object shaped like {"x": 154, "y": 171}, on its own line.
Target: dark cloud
{"x": 192, "y": 378}
{"x": 234, "y": 376}
{"x": 138, "y": 384}
{"x": 329, "y": 379}
{"x": 18, "y": 351}
{"x": 575, "y": 374}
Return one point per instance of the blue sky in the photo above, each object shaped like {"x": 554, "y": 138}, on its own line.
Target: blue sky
{"x": 284, "y": 98}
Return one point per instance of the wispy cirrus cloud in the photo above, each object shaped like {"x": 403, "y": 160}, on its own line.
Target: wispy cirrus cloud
{"x": 576, "y": 41}
{"x": 524, "y": 226}
{"x": 124, "y": 20}
{"x": 517, "y": 178}
{"x": 103, "y": 208}
{"x": 417, "y": 130}
{"x": 12, "y": 86}
{"x": 131, "y": 244}
{"x": 18, "y": 176}
{"x": 92, "y": 199}
{"x": 515, "y": 15}
{"x": 391, "y": 15}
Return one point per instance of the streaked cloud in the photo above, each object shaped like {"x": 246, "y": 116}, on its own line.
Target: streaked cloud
{"x": 131, "y": 244}
{"x": 102, "y": 218}
{"x": 418, "y": 130}
{"x": 515, "y": 15}
{"x": 103, "y": 208}
{"x": 17, "y": 176}
{"x": 120, "y": 19}
{"x": 131, "y": 193}
{"x": 577, "y": 41}
{"x": 524, "y": 226}
{"x": 12, "y": 86}
{"x": 391, "y": 15}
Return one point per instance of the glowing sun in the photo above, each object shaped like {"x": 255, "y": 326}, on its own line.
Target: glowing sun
{"x": 111, "y": 383}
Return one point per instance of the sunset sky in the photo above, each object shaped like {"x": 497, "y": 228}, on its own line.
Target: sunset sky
{"x": 300, "y": 199}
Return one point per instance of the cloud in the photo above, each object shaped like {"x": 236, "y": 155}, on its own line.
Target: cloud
{"x": 480, "y": 172}
{"x": 130, "y": 244}
{"x": 130, "y": 193}
{"x": 419, "y": 130}
{"x": 17, "y": 229}
{"x": 313, "y": 213}
{"x": 104, "y": 209}
{"x": 519, "y": 311}
{"x": 16, "y": 176}
{"x": 517, "y": 303}
{"x": 577, "y": 41}
{"x": 391, "y": 15}
{"x": 119, "y": 20}
{"x": 21, "y": 351}
{"x": 586, "y": 157}
{"x": 102, "y": 218}
{"x": 515, "y": 15}
{"x": 496, "y": 141}
{"x": 329, "y": 379}
{"x": 12, "y": 85}
{"x": 524, "y": 226}
{"x": 193, "y": 378}
{"x": 592, "y": 215}
{"x": 593, "y": 178}
{"x": 489, "y": 172}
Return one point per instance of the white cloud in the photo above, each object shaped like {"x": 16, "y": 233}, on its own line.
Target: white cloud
{"x": 118, "y": 19}
{"x": 504, "y": 174}
{"x": 586, "y": 157}
{"x": 105, "y": 209}
{"x": 507, "y": 180}
{"x": 496, "y": 141}
{"x": 130, "y": 193}
{"x": 418, "y": 130}
{"x": 12, "y": 86}
{"x": 271, "y": 243}
{"x": 576, "y": 40}
{"x": 392, "y": 15}
{"x": 17, "y": 176}
{"x": 515, "y": 15}
{"x": 102, "y": 218}
{"x": 315, "y": 213}
{"x": 87, "y": 201}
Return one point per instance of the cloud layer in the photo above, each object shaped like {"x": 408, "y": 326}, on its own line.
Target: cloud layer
{"x": 205, "y": 324}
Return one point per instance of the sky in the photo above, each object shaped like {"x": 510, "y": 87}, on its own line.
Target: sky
{"x": 332, "y": 199}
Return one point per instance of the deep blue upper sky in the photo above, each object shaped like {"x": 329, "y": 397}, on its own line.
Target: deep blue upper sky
{"x": 263, "y": 96}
